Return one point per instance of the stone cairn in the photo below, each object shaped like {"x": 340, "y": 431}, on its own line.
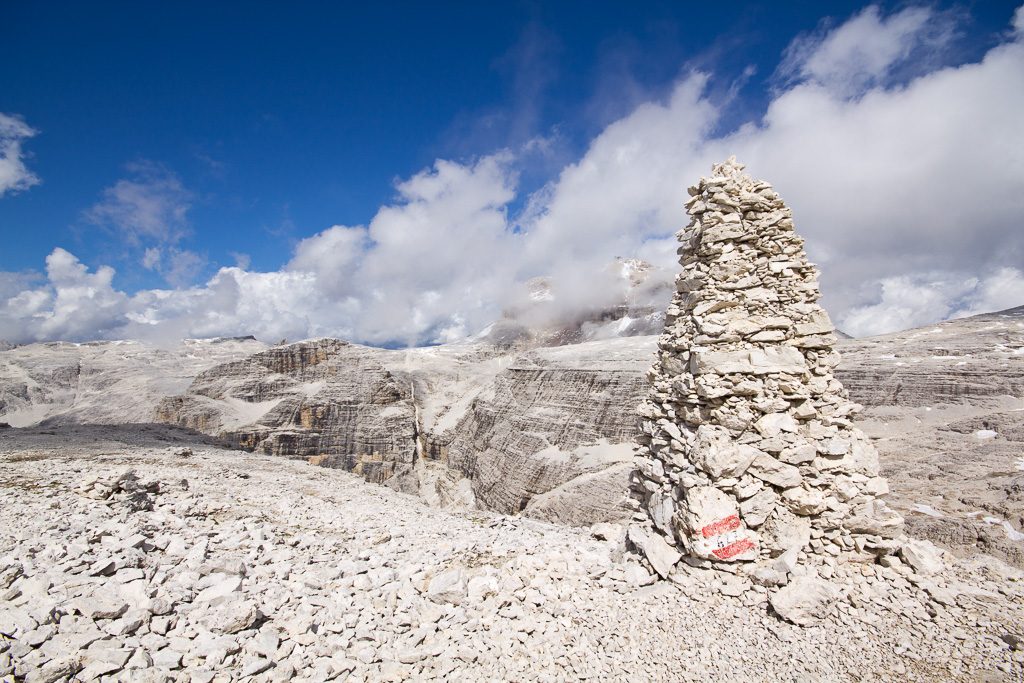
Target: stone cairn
{"x": 748, "y": 453}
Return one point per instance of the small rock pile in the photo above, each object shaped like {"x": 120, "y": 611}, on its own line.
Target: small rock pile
{"x": 749, "y": 452}
{"x": 127, "y": 488}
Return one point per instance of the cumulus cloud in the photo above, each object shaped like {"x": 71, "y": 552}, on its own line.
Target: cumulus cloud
{"x": 908, "y": 190}
{"x": 922, "y": 298}
{"x": 430, "y": 267}
{"x": 14, "y": 174}
{"x": 75, "y": 304}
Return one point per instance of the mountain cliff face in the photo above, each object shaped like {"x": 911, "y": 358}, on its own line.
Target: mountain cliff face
{"x": 103, "y": 382}
{"x": 551, "y": 436}
{"x": 945, "y": 404}
{"x": 971, "y": 359}
{"x": 326, "y": 401}
{"x": 547, "y": 433}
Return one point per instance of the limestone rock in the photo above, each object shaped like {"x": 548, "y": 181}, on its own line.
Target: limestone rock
{"x": 923, "y": 556}
{"x": 804, "y": 600}
{"x": 720, "y": 456}
{"x": 775, "y": 472}
{"x": 714, "y": 526}
{"x": 804, "y": 500}
{"x": 325, "y": 400}
{"x": 112, "y": 382}
{"x": 232, "y": 616}
{"x": 448, "y": 586}
{"x": 658, "y": 552}
{"x": 548, "y": 435}
{"x": 758, "y": 507}
{"x": 784, "y": 531}
{"x": 335, "y": 574}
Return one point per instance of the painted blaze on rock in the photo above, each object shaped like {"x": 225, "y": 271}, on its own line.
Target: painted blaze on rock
{"x": 748, "y": 449}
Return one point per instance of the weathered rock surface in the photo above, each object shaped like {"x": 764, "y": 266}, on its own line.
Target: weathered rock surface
{"x": 103, "y": 382}
{"x": 540, "y": 433}
{"x": 326, "y": 401}
{"x": 804, "y": 600}
{"x": 332, "y": 578}
{"x": 945, "y": 406}
{"x": 548, "y": 436}
{"x": 972, "y": 360}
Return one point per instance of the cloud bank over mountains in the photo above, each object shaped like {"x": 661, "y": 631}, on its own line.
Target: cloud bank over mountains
{"x": 906, "y": 178}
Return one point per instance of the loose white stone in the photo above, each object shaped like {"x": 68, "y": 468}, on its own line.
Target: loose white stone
{"x": 804, "y": 600}
{"x": 448, "y": 586}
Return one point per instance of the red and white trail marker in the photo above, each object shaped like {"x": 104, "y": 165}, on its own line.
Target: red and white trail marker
{"x": 724, "y": 539}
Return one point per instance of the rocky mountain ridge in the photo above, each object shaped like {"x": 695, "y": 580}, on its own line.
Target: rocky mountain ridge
{"x": 103, "y": 382}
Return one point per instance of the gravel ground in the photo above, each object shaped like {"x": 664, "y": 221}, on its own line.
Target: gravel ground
{"x": 143, "y": 554}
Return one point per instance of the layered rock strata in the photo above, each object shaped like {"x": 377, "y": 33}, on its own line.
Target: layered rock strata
{"x": 548, "y": 437}
{"x": 748, "y": 450}
{"x": 326, "y": 401}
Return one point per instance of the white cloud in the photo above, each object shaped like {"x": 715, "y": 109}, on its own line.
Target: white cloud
{"x": 149, "y": 206}
{"x": 14, "y": 174}
{"x": 864, "y": 50}
{"x": 182, "y": 266}
{"x": 148, "y": 211}
{"x": 907, "y": 301}
{"x": 242, "y": 260}
{"x": 919, "y": 299}
{"x": 151, "y": 258}
{"x": 430, "y": 266}
{"x": 999, "y": 291}
{"x": 331, "y": 255}
{"x": 910, "y": 195}
{"x": 923, "y": 178}
{"x": 74, "y": 304}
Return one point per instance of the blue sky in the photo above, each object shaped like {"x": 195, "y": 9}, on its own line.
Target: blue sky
{"x": 170, "y": 142}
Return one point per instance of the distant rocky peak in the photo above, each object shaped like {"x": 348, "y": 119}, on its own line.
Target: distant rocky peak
{"x": 624, "y": 299}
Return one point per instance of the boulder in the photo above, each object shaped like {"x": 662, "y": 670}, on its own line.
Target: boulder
{"x": 804, "y": 600}
{"x": 774, "y": 471}
{"x": 655, "y": 548}
{"x": 785, "y": 531}
{"x": 715, "y": 528}
{"x": 717, "y": 453}
{"x": 448, "y": 586}
{"x": 923, "y": 556}
{"x": 231, "y": 616}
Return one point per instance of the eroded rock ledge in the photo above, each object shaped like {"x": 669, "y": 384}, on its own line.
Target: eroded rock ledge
{"x": 326, "y": 401}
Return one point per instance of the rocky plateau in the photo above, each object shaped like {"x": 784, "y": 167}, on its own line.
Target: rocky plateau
{"x": 148, "y": 553}
{"x": 548, "y": 432}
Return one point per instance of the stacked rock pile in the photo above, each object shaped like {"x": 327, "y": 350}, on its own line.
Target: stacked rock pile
{"x": 749, "y": 452}
{"x": 124, "y": 488}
